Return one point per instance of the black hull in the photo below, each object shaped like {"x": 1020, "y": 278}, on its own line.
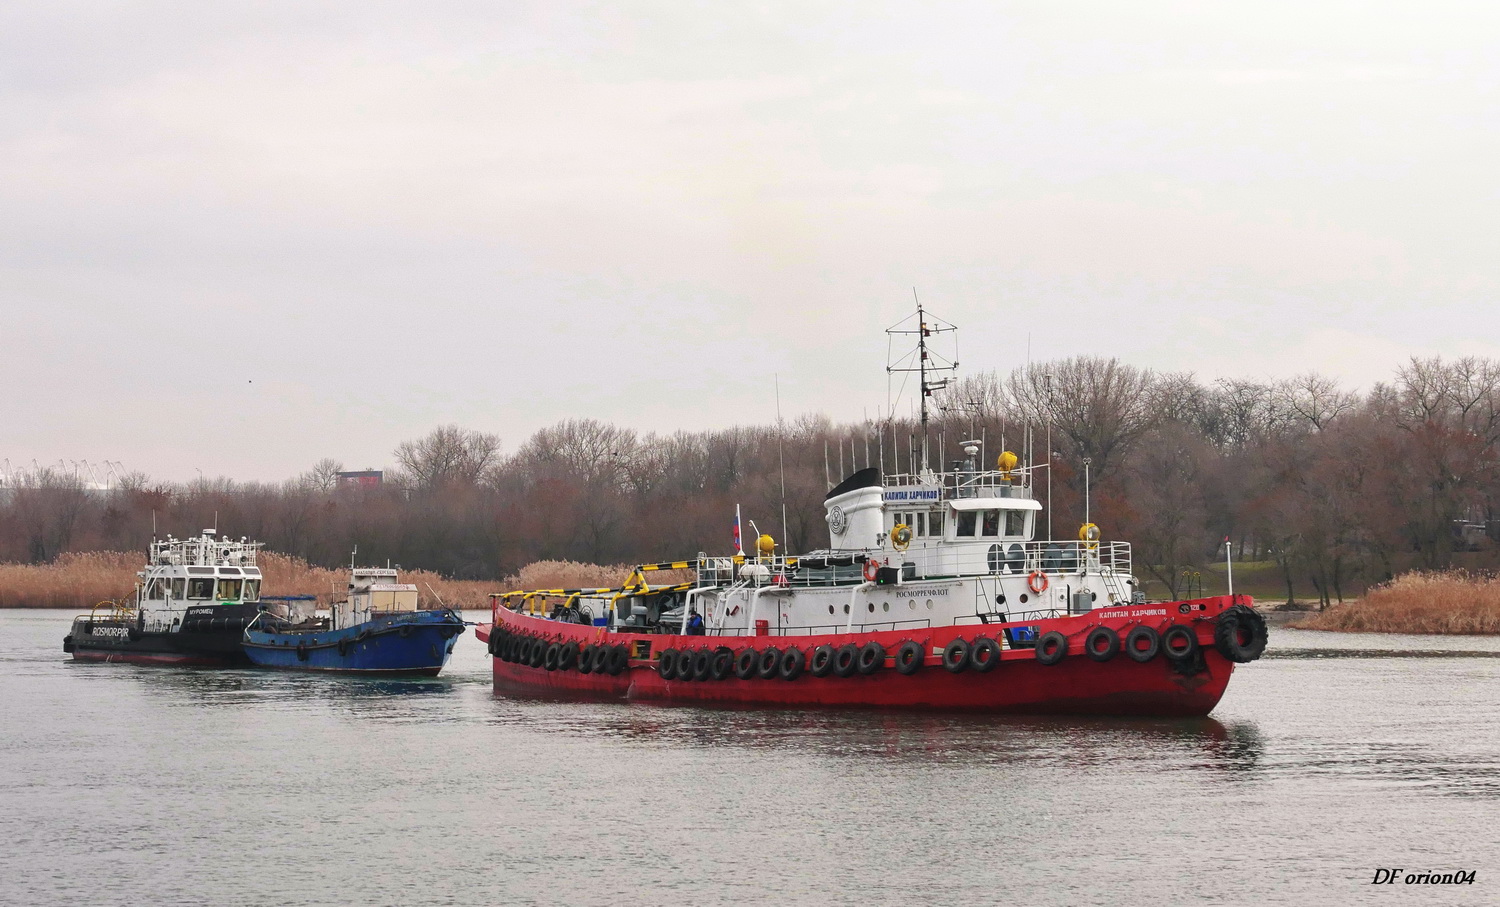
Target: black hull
{"x": 212, "y": 636}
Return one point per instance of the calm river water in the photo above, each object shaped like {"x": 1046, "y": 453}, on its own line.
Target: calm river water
{"x": 1334, "y": 756}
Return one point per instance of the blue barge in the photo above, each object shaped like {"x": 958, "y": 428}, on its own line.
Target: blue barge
{"x": 377, "y": 630}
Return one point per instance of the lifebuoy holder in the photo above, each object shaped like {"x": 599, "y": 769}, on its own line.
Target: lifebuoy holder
{"x": 1037, "y": 582}
{"x": 872, "y": 569}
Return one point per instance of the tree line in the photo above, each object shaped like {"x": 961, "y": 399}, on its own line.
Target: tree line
{"x": 1334, "y": 487}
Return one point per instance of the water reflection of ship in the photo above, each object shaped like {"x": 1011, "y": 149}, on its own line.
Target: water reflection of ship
{"x": 249, "y": 687}
{"x": 1187, "y": 743}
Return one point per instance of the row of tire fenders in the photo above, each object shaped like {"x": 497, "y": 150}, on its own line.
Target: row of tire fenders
{"x": 1239, "y": 635}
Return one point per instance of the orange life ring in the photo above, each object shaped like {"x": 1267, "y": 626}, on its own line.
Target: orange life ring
{"x": 872, "y": 569}
{"x": 1037, "y": 582}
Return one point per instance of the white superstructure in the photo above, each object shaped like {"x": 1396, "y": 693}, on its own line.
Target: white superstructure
{"x": 195, "y": 573}
{"x": 930, "y": 549}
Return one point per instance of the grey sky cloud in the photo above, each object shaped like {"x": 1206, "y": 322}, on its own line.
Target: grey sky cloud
{"x": 242, "y": 237}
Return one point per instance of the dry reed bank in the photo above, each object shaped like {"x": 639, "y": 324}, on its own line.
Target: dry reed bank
{"x": 1431, "y": 602}
{"x": 81, "y": 580}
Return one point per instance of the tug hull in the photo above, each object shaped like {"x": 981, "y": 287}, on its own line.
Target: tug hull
{"x": 1019, "y": 683}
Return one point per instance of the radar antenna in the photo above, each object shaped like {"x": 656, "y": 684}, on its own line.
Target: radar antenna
{"x": 935, "y": 370}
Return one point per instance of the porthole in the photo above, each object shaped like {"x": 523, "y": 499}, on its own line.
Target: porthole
{"x": 929, "y": 604}
{"x": 1000, "y": 599}
{"x": 872, "y": 607}
{"x": 846, "y": 609}
{"x": 911, "y": 605}
{"x": 886, "y": 606}
{"x": 1023, "y": 598}
{"x": 830, "y": 609}
{"x": 1093, "y": 596}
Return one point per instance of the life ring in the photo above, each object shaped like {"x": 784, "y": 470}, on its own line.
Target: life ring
{"x": 872, "y": 569}
{"x": 1037, "y": 582}
{"x": 900, "y": 536}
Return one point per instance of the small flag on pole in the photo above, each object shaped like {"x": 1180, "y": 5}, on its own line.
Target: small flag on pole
{"x": 738, "y": 547}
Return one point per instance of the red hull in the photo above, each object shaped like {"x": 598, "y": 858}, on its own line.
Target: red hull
{"x": 140, "y": 658}
{"x": 1019, "y": 684}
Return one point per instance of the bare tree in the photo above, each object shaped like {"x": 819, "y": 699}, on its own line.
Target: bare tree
{"x": 448, "y": 455}
{"x": 1099, "y": 407}
{"x": 323, "y": 476}
{"x": 1314, "y": 399}
{"x": 46, "y": 505}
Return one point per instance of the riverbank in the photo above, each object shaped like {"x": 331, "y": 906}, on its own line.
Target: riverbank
{"x": 1452, "y": 602}
{"x": 80, "y": 581}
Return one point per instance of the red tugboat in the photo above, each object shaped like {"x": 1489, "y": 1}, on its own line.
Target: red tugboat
{"x": 933, "y": 593}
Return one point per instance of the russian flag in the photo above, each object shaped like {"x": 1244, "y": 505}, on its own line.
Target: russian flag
{"x": 738, "y": 547}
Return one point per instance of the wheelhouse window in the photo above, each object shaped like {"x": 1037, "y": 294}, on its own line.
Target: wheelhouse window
{"x": 252, "y": 590}
{"x": 229, "y": 589}
{"x": 200, "y": 587}
{"x": 921, "y": 526}
{"x": 179, "y": 588}
{"x": 991, "y": 523}
{"x": 935, "y": 523}
{"x": 967, "y": 521}
{"x": 156, "y": 589}
{"x": 1015, "y": 523}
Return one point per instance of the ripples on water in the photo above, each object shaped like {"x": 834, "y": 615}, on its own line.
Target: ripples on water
{"x": 1333, "y": 756}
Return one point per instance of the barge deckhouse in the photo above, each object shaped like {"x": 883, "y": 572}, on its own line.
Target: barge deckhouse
{"x": 191, "y": 605}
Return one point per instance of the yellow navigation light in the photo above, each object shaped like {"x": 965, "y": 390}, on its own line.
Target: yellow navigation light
{"x": 1006, "y": 462}
{"x": 900, "y": 536}
{"x": 1088, "y": 533}
{"x": 765, "y": 545}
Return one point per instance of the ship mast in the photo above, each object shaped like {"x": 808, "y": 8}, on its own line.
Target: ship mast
{"x": 934, "y": 371}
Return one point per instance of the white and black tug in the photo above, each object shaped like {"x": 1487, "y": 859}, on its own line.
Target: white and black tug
{"x": 191, "y": 606}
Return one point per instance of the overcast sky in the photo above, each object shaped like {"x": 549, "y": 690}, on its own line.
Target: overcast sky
{"x": 240, "y": 237}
